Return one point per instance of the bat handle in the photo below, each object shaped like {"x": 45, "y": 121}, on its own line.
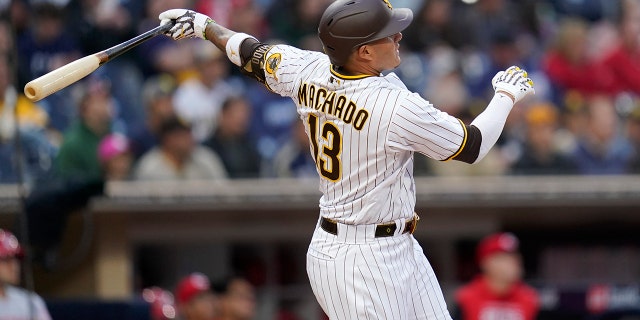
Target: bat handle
{"x": 117, "y": 50}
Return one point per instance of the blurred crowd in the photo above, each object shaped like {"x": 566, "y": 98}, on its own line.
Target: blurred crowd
{"x": 169, "y": 110}
{"x": 196, "y": 298}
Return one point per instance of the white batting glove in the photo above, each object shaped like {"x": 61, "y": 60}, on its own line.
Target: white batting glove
{"x": 514, "y": 82}
{"x": 188, "y": 23}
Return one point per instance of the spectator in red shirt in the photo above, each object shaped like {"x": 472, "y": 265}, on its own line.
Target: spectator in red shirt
{"x": 570, "y": 68}
{"x": 194, "y": 298}
{"x": 624, "y": 61}
{"x": 498, "y": 293}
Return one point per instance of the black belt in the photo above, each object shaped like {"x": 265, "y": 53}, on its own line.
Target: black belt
{"x": 382, "y": 230}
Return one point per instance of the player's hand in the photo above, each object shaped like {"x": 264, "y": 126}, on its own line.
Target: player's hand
{"x": 188, "y": 23}
{"x": 513, "y": 82}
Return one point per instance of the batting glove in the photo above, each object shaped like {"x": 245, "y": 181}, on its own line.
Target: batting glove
{"x": 188, "y": 23}
{"x": 514, "y": 82}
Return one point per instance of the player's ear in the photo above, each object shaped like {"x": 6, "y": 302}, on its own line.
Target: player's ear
{"x": 364, "y": 52}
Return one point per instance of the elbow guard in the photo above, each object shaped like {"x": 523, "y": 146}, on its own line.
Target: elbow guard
{"x": 471, "y": 149}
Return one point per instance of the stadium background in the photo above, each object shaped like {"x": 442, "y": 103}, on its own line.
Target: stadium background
{"x": 561, "y": 177}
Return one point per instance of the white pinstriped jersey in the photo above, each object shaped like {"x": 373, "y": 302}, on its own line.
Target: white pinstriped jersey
{"x": 363, "y": 131}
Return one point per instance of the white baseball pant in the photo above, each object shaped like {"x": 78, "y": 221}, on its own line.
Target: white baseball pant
{"x": 355, "y": 275}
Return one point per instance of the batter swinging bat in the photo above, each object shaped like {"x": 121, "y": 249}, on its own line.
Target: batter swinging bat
{"x": 60, "y": 78}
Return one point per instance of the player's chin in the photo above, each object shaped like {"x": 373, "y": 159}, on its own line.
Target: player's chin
{"x": 397, "y": 62}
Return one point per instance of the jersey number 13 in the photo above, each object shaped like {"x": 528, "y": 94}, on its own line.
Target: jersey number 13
{"x": 327, "y": 153}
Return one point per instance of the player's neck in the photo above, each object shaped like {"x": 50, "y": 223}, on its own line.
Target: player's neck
{"x": 3, "y": 292}
{"x": 355, "y": 68}
{"x": 498, "y": 286}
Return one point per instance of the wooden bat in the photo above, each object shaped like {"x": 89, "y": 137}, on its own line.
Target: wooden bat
{"x": 62, "y": 77}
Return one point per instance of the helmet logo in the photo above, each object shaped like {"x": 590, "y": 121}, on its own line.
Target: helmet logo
{"x": 387, "y": 3}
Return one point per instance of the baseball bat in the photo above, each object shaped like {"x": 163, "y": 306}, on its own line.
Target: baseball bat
{"x": 62, "y": 77}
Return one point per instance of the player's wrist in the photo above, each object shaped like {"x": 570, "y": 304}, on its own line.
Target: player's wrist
{"x": 506, "y": 94}
{"x": 200, "y": 22}
{"x": 208, "y": 22}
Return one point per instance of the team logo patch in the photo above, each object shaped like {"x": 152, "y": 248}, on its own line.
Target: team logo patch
{"x": 271, "y": 66}
{"x": 387, "y": 3}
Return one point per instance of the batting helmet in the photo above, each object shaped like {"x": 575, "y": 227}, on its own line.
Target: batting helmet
{"x": 9, "y": 245}
{"x": 347, "y": 24}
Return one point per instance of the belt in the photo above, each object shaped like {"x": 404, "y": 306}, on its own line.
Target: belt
{"x": 382, "y": 230}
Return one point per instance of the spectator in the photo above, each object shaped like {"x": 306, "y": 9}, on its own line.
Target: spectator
{"x": 434, "y": 26}
{"x": 602, "y": 149}
{"x": 231, "y": 140}
{"x": 16, "y": 303}
{"x": 294, "y": 159}
{"x": 7, "y": 41}
{"x": 37, "y": 150}
{"x": 502, "y": 52}
{"x": 539, "y": 155}
{"x": 194, "y": 298}
{"x": 157, "y": 95}
{"x": 101, "y": 24}
{"x": 570, "y": 68}
{"x": 198, "y": 100}
{"x": 590, "y": 10}
{"x": 18, "y": 15}
{"x": 272, "y": 118}
{"x": 294, "y": 21}
{"x": 161, "y": 54}
{"x": 246, "y": 16}
{"x": 78, "y": 156}
{"x": 237, "y": 300}
{"x": 115, "y": 157}
{"x": 43, "y": 48}
{"x": 30, "y": 115}
{"x": 218, "y": 10}
{"x": 162, "y": 303}
{"x": 633, "y": 133}
{"x": 624, "y": 61}
{"x": 486, "y": 18}
{"x": 498, "y": 293}
{"x": 178, "y": 157}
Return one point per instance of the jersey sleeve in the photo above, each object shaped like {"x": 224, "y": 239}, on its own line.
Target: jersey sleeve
{"x": 416, "y": 125}
{"x": 284, "y": 65}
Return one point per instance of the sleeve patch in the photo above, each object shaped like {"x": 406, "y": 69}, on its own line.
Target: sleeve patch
{"x": 272, "y": 63}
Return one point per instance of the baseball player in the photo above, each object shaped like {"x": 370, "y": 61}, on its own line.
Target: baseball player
{"x": 16, "y": 303}
{"x": 364, "y": 127}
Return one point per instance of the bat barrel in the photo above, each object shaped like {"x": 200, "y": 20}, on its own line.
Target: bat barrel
{"x": 60, "y": 78}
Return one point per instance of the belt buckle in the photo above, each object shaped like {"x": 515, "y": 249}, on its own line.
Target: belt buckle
{"x": 414, "y": 223}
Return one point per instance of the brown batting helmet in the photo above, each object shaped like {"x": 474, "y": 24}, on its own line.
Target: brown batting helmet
{"x": 348, "y": 24}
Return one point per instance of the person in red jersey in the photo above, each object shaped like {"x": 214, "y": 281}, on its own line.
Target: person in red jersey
{"x": 194, "y": 298}
{"x": 498, "y": 293}
{"x": 624, "y": 61}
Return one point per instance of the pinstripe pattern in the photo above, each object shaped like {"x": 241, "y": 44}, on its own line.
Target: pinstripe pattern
{"x": 353, "y": 275}
{"x": 376, "y": 184}
{"x": 357, "y": 276}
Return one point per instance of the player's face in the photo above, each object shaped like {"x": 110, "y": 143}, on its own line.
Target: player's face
{"x": 240, "y": 300}
{"x": 387, "y": 52}
{"x": 201, "y": 307}
{"x": 505, "y": 267}
{"x": 9, "y": 271}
